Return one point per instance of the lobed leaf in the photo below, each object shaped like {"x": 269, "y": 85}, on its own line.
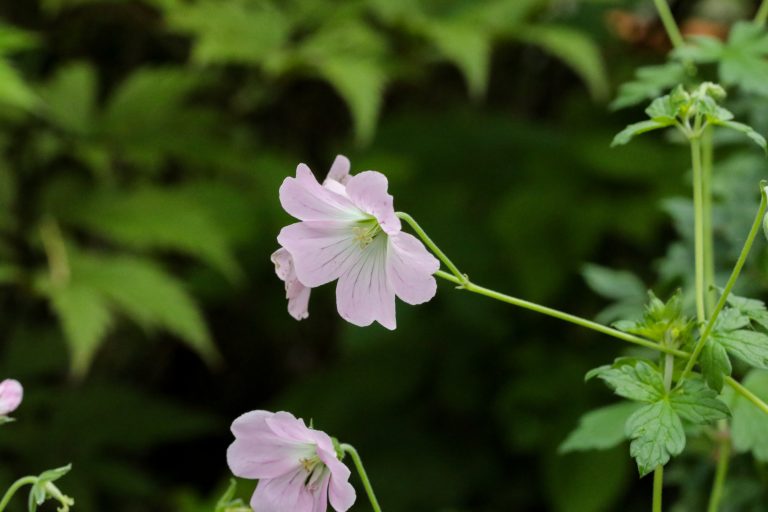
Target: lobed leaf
{"x": 599, "y": 429}
{"x": 657, "y": 435}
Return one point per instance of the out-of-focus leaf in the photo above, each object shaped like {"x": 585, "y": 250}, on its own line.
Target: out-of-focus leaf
{"x": 650, "y": 82}
{"x": 575, "y": 49}
{"x": 573, "y": 478}
{"x": 14, "y": 91}
{"x": 625, "y": 135}
{"x": 70, "y": 98}
{"x": 750, "y": 424}
{"x": 468, "y": 47}
{"x": 746, "y": 130}
{"x": 614, "y": 284}
{"x": 600, "y": 429}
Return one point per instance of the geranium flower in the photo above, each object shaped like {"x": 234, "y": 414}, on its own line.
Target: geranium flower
{"x": 11, "y": 394}
{"x": 297, "y": 467}
{"x": 349, "y": 231}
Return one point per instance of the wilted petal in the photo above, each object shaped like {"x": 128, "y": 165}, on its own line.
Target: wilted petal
{"x": 296, "y": 293}
{"x": 339, "y": 170}
{"x": 321, "y": 251}
{"x": 364, "y": 294}
{"x": 284, "y": 494}
{"x": 368, "y": 190}
{"x": 341, "y": 493}
{"x": 410, "y": 268}
{"x": 304, "y": 198}
{"x": 11, "y": 394}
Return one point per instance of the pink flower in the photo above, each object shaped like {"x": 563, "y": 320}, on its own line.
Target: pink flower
{"x": 11, "y": 393}
{"x": 297, "y": 467}
{"x": 349, "y": 231}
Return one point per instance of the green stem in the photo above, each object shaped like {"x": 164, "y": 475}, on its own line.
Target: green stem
{"x": 670, "y": 25}
{"x": 658, "y": 483}
{"x": 707, "y": 156}
{"x": 728, "y": 286}
{"x": 21, "y": 482}
{"x": 746, "y": 393}
{"x": 348, "y": 448}
{"x": 698, "y": 212}
{"x": 432, "y": 246}
{"x": 583, "y": 322}
{"x": 762, "y": 14}
{"x": 724, "y": 457}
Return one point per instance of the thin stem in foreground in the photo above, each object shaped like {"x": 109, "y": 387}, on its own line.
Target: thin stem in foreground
{"x": 18, "y": 484}
{"x": 728, "y": 287}
{"x": 762, "y": 14}
{"x": 670, "y": 25}
{"x": 432, "y": 246}
{"x": 658, "y": 484}
{"x": 698, "y": 209}
{"x": 583, "y": 322}
{"x": 707, "y": 157}
{"x": 746, "y": 393}
{"x": 724, "y": 458}
{"x": 349, "y": 449}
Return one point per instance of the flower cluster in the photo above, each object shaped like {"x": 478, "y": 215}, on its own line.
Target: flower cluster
{"x": 349, "y": 231}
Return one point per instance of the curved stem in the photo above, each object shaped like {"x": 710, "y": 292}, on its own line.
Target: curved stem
{"x": 583, "y": 322}
{"x": 762, "y": 14}
{"x": 724, "y": 457}
{"x": 670, "y": 25}
{"x": 658, "y": 484}
{"x": 707, "y": 156}
{"x": 746, "y": 393}
{"x": 698, "y": 210}
{"x": 348, "y": 448}
{"x": 728, "y": 287}
{"x": 432, "y": 246}
{"x": 21, "y": 482}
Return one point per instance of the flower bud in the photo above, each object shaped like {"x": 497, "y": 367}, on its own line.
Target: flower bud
{"x": 11, "y": 393}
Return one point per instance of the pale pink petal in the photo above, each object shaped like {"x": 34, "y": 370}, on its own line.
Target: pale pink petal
{"x": 341, "y": 493}
{"x": 339, "y": 170}
{"x": 298, "y": 299}
{"x": 364, "y": 294}
{"x": 322, "y": 440}
{"x": 368, "y": 190}
{"x": 304, "y": 198}
{"x": 320, "y": 494}
{"x": 283, "y": 264}
{"x": 410, "y": 268}
{"x": 283, "y": 494}
{"x": 11, "y": 394}
{"x": 321, "y": 251}
{"x": 258, "y": 452}
{"x": 287, "y": 426}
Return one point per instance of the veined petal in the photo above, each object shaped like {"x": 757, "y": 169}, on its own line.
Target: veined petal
{"x": 287, "y": 426}
{"x": 322, "y": 251}
{"x": 304, "y": 198}
{"x": 320, "y": 495}
{"x": 364, "y": 293}
{"x": 410, "y": 268}
{"x": 340, "y": 493}
{"x": 368, "y": 190}
{"x": 283, "y": 494}
{"x": 339, "y": 170}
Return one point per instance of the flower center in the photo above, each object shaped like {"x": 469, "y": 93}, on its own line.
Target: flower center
{"x": 315, "y": 470}
{"x": 366, "y": 232}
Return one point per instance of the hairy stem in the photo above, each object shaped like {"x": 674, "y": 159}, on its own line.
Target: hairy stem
{"x": 21, "y": 482}
{"x": 349, "y": 449}
{"x": 728, "y": 286}
{"x": 723, "y": 460}
{"x": 670, "y": 25}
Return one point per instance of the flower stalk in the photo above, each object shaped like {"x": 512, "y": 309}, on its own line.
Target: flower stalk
{"x": 352, "y": 452}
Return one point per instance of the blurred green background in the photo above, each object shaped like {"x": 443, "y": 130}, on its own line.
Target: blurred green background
{"x": 142, "y": 144}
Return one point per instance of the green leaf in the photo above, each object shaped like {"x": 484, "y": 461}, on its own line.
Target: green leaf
{"x": 625, "y": 135}
{"x": 745, "y": 129}
{"x": 613, "y": 284}
{"x": 636, "y": 381}
{"x": 650, "y": 82}
{"x": 697, "y": 403}
{"x": 749, "y": 346}
{"x": 154, "y": 218}
{"x": 754, "y": 309}
{"x": 468, "y": 47}
{"x": 70, "y": 98}
{"x": 14, "y": 91}
{"x": 750, "y": 425}
{"x": 743, "y": 59}
{"x": 657, "y": 435}
{"x": 715, "y": 364}
{"x": 599, "y": 429}
{"x": 575, "y": 49}
{"x": 85, "y": 318}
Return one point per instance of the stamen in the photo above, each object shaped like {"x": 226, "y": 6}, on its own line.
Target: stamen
{"x": 366, "y": 233}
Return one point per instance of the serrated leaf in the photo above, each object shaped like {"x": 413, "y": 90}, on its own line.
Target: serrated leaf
{"x": 749, "y": 429}
{"x": 657, "y": 435}
{"x": 599, "y": 429}
{"x": 754, "y": 309}
{"x": 715, "y": 364}
{"x": 650, "y": 82}
{"x": 638, "y": 381}
{"x": 154, "y": 218}
{"x": 613, "y": 284}
{"x": 625, "y": 135}
{"x": 697, "y": 403}
{"x": 70, "y": 98}
{"x": 85, "y": 318}
{"x": 749, "y": 346}
{"x": 575, "y": 48}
